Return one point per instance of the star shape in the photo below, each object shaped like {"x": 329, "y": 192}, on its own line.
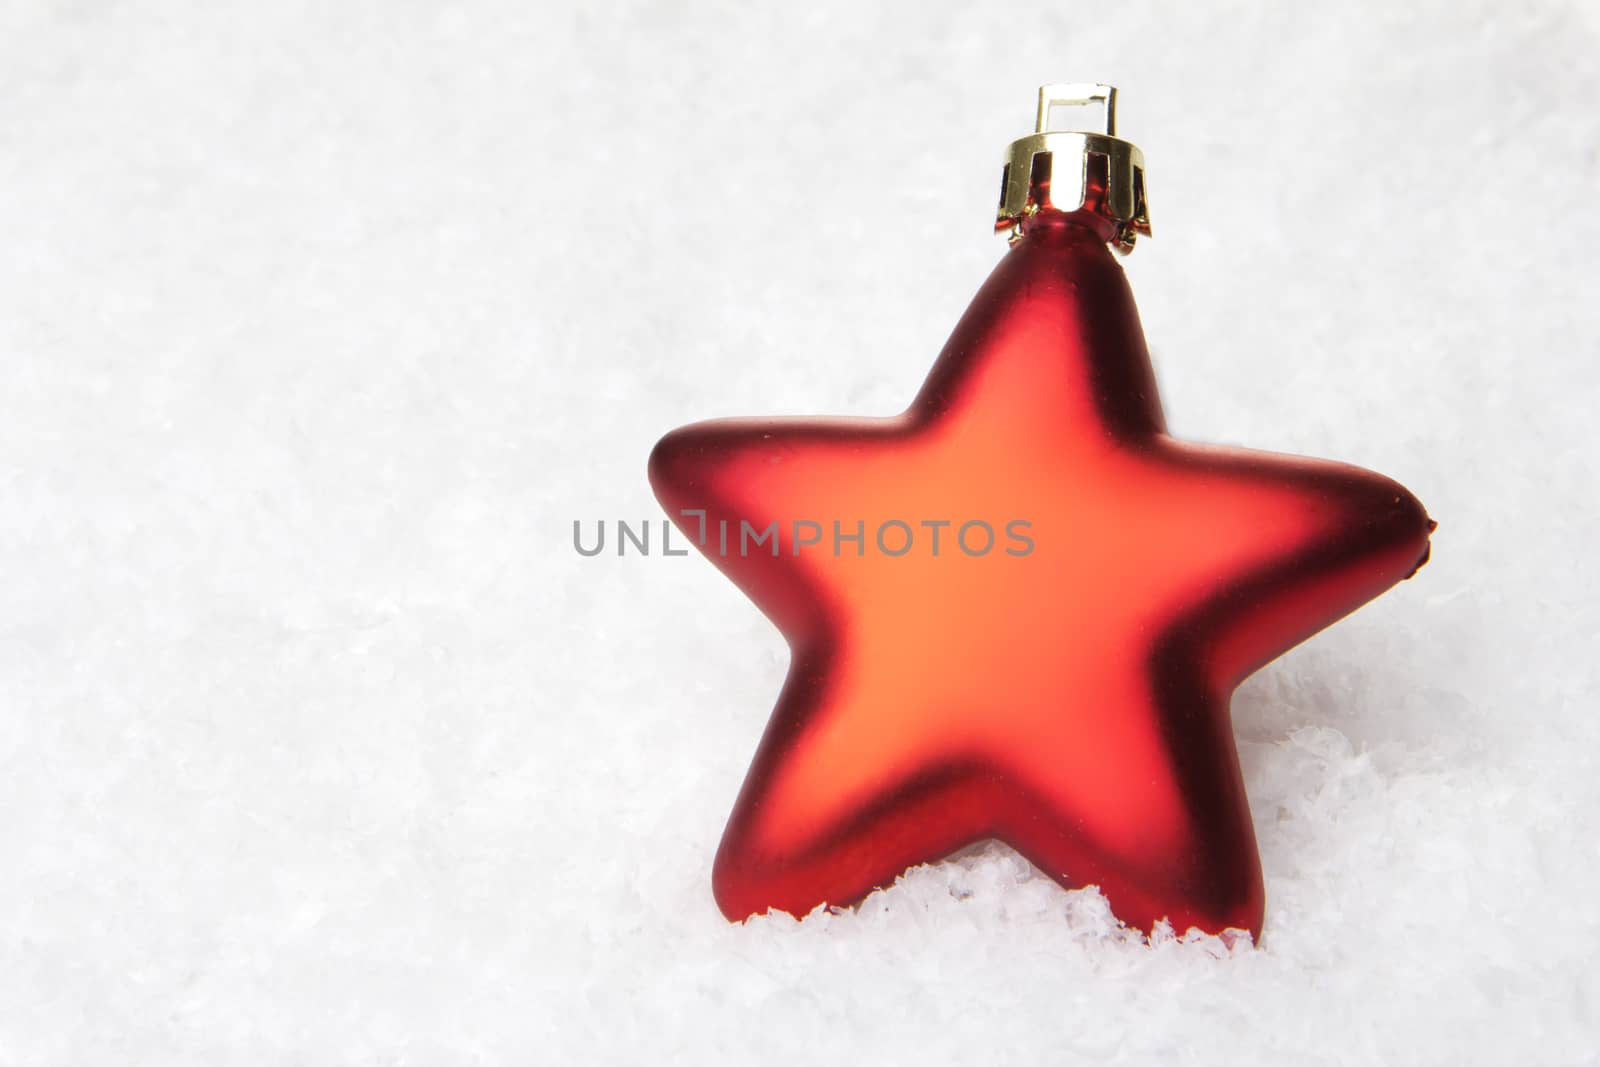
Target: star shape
{"x": 1065, "y": 691}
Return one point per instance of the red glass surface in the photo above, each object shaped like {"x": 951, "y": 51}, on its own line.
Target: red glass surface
{"x": 1071, "y": 701}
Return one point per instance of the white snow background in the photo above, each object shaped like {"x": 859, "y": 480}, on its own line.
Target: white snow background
{"x": 321, "y": 323}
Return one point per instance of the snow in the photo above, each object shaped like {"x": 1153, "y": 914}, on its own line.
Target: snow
{"x": 320, "y": 324}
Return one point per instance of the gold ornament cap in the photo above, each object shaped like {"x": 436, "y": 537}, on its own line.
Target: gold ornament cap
{"x": 1075, "y": 170}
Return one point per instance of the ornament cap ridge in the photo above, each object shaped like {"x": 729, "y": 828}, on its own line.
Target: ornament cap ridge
{"x": 1110, "y": 171}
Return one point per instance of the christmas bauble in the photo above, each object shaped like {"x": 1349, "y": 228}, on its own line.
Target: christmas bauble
{"x": 1018, "y": 609}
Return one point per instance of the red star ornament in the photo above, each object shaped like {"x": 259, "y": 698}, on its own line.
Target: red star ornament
{"x": 1065, "y": 689}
